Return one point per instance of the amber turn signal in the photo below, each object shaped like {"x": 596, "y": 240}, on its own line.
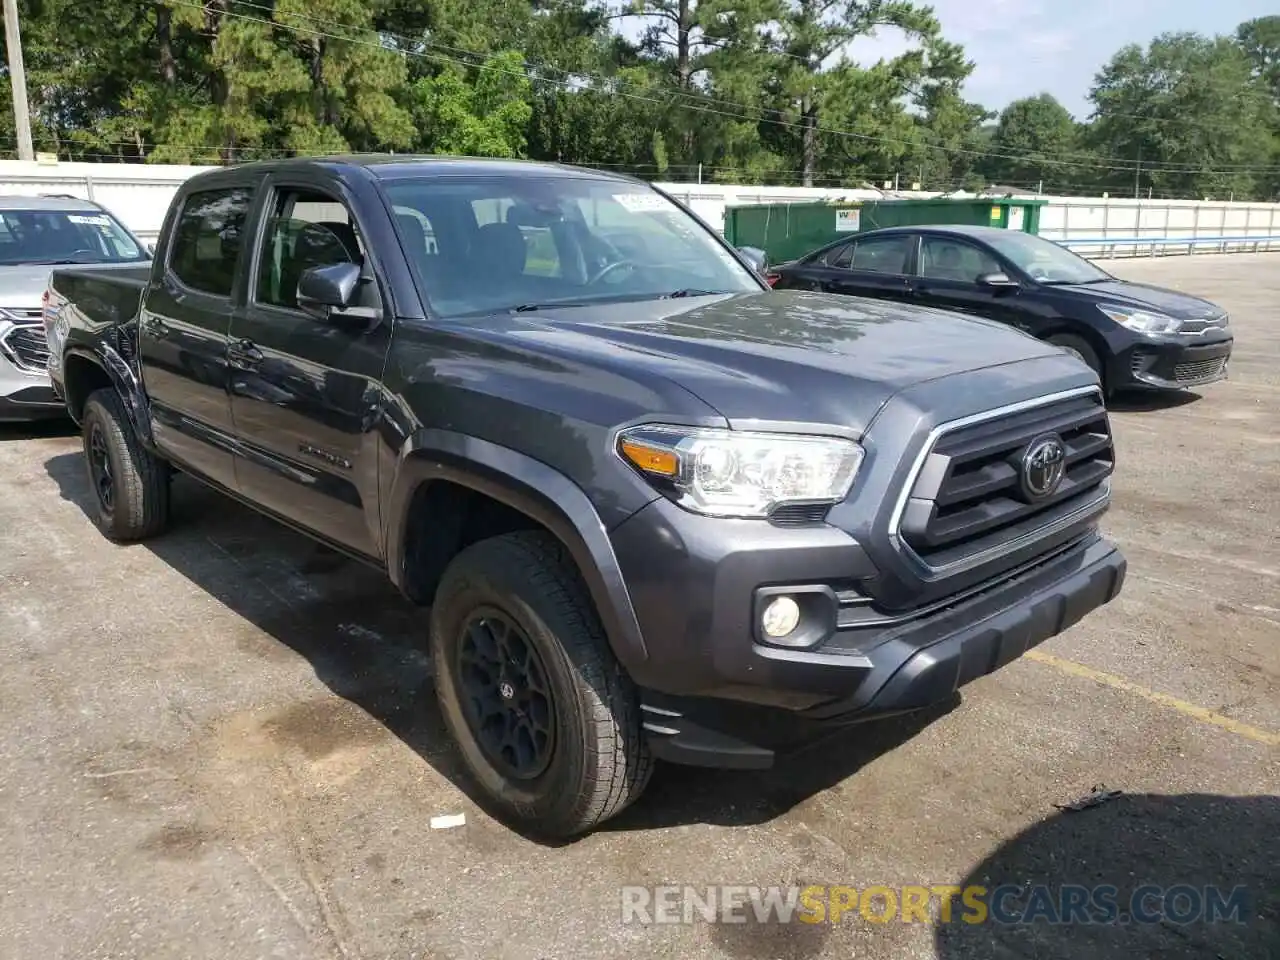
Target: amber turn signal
{"x": 655, "y": 460}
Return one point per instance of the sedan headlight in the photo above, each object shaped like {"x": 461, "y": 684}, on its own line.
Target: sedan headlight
{"x": 1142, "y": 321}
{"x": 724, "y": 473}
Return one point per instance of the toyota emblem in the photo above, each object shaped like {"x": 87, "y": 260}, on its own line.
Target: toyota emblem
{"x": 1044, "y": 464}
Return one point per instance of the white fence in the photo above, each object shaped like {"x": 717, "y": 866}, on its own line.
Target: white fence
{"x": 139, "y": 195}
{"x": 1092, "y": 226}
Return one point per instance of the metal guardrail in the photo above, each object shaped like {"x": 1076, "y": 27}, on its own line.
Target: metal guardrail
{"x": 1109, "y": 244}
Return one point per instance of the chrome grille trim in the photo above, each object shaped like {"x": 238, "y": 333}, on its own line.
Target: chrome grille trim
{"x": 1060, "y": 523}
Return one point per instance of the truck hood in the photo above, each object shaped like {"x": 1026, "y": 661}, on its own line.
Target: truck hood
{"x": 1146, "y": 297}
{"x": 22, "y": 285}
{"x": 788, "y": 356}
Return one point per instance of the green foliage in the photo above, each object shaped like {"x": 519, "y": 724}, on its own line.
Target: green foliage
{"x": 483, "y": 115}
{"x": 1190, "y": 107}
{"x": 1031, "y": 140}
{"x": 749, "y": 91}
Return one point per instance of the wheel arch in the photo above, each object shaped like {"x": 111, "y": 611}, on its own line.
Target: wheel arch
{"x": 445, "y": 481}
{"x": 85, "y": 370}
{"x": 1101, "y": 349}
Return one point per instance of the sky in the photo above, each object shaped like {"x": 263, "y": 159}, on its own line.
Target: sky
{"x": 1025, "y": 47}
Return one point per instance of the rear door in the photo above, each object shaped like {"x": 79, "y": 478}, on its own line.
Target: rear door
{"x": 305, "y": 392}
{"x": 876, "y": 266}
{"x": 184, "y": 320}
{"x": 947, "y": 278}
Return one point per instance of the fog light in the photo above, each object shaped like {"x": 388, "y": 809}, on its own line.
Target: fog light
{"x": 780, "y": 617}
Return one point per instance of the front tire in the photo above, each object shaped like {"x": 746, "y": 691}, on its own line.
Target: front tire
{"x": 1082, "y": 350}
{"x": 547, "y": 721}
{"x": 130, "y": 485}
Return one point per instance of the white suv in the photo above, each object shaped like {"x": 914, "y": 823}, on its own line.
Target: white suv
{"x": 37, "y": 234}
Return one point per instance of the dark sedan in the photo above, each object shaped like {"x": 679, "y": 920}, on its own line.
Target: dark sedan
{"x": 1131, "y": 334}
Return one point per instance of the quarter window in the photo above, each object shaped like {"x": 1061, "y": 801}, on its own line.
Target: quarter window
{"x": 840, "y": 256}
{"x": 208, "y": 238}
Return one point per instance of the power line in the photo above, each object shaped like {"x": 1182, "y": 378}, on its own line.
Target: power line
{"x": 700, "y": 99}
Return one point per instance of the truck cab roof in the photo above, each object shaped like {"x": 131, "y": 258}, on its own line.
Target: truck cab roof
{"x": 400, "y": 166}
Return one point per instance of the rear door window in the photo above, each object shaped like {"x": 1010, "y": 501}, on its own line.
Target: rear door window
{"x": 882, "y": 254}
{"x": 208, "y": 239}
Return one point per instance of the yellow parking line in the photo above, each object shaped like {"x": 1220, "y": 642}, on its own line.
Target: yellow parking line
{"x": 1190, "y": 709}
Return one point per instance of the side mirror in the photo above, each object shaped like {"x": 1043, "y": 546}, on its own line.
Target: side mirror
{"x": 321, "y": 290}
{"x": 150, "y": 248}
{"x": 999, "y": 281}
{"x": 759, "y": 259}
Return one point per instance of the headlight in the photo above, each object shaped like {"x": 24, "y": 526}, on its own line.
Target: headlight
{"x": 1142, "y": 321}
{"x": 724, "y": 473}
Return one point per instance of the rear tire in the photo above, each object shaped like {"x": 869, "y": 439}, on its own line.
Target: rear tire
{"x": 130, "y": 485}
{"x": 1082, "y": 349}
{"x": 546, "y": 719}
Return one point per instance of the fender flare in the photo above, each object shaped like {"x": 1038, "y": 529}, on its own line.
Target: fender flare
{"x": 122, "y": 378}
{"x": 532, "y": 488}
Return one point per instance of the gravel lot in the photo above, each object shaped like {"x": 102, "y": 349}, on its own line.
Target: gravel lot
{"x": 223, "y": 743}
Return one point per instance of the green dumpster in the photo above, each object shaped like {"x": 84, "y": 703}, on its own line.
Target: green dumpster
{"x": 786, "y": 231}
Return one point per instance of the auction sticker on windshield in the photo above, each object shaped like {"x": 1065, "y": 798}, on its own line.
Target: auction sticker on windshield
{"x": 90, "y": 221}
{"x": 642, "y": 202}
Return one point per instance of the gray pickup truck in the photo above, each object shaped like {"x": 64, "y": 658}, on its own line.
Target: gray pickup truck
{"x": 657, "y": 509}
{"x": 37, "y": 234}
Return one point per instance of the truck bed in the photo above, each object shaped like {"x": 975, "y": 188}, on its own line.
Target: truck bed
{"x": 101, "y": 294}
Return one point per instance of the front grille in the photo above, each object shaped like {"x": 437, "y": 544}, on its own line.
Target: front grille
{"x": 22, "y": 313}
{"x": 970, "y": 494}
{"x": 1194, "y": 370}
{"x": 27, "y": 347}
{"x": 1199, "y": 326}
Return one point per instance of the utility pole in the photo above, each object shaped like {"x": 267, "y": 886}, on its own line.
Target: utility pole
{"x": 18, "y": 79}
{"x": 1137, "y": 172}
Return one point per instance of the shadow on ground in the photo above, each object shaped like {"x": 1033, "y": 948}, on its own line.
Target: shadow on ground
{"x": 1150, "y": 401}
{"x": 366, "y": 643}
{"x": 1194, "y": 842}
{"x": 38, "y": 429}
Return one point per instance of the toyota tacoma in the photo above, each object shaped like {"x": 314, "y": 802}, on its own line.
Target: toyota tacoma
{"x": 652, "y": 504}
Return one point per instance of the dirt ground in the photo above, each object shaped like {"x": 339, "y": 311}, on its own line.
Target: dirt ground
{"x": 223, "y": 744}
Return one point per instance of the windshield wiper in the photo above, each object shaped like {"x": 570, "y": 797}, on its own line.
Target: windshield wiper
{"x": 691, "y": 292}
{"x": 549, "y": 305}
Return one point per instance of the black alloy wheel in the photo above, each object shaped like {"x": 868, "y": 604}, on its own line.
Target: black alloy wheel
{"x": 100, "y": 468}
{"x": 505, "y": 695}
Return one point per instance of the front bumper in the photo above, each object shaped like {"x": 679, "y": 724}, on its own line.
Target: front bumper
{"x": 713, "y": 693}
{"x": 1172, "y": 364}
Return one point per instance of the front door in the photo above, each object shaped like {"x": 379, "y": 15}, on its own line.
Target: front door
{"x": 184, "y": 324}
{"x": 305, "y": 391}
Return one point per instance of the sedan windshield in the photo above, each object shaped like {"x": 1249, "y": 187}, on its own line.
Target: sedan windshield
{"x": 64, "y": 236}
{"x": 1045, "y": 261}
{"x": 490, "y": 244}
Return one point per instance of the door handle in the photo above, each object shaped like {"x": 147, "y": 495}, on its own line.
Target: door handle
{"x": 244, "y": 353}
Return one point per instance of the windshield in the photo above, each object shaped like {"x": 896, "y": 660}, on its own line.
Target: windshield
{"x": 64, "y": 236}
{"x": 489, "y": 244}
{"x": 1045, "y": 261}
